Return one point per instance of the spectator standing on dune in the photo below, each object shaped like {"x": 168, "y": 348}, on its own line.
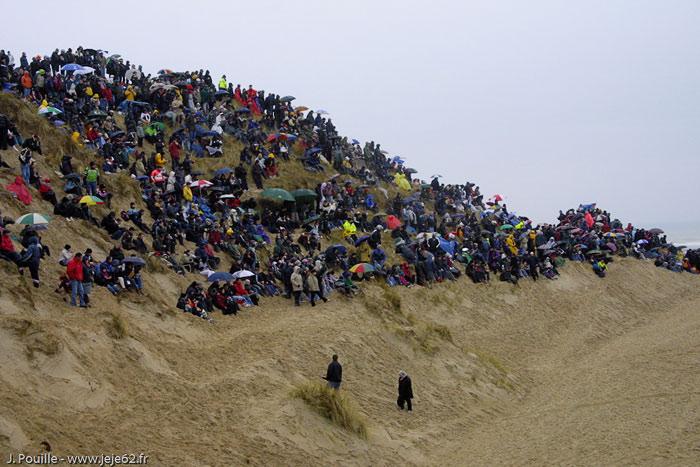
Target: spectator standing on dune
{"x": 334, "y": 374}
{"x": 405, "y": 391}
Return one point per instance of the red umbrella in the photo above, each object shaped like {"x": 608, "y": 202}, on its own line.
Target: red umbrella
{"x": 201, "y": 184}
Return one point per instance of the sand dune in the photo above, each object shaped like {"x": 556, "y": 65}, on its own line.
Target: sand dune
{"x": 579, "y": 371}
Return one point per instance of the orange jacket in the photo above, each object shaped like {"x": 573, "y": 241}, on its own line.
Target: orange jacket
{"x": 26, "y": 80}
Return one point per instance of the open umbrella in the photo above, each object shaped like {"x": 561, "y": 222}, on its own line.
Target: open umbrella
{"x": 436, "y": 176}
{"x": 97, "y": 114}
{"x": 361, "y": 268}
{"x": 322, "y": 112}
{"x": 49, "y": 110}
{"x": 311, "y": 219}
{"x": 655, "y": 231}
{"x": 223, "y": 171}
{"x": 354, "y": 141}
{"x": 84, "y": 70}
{"x": 201, "y": 184}
{"x": 304, "y": 194}
{"x": 242, "y": 274}
{"x": 229, "y": 196}
{"x": 595, "y": 252}
{"x": 220, "y": 276}
{"x": 134, "y": 260}
{"x": 505, "y": 227}
{"x": 287, "y": 99}
{"x": 277, "y": 194}
{"x": 89, "y": 200}
{"x": 33, "y": 218}
{"x": 70, "y": 67}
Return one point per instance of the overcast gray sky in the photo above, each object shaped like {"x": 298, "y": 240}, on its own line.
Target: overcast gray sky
{"x": 549, "y": 103}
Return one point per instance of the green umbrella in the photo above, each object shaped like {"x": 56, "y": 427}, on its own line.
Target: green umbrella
{"x": 49, "y": 110}
{"x": 311, "y": 219}
{"x": 304, "y": 194}
{"x": 97, "y": 114}
{"x": 33, "y": 218}
{"x": 505, "y": 227}
{"x": 277, "y": 194}
{"x": 594, "y": 252}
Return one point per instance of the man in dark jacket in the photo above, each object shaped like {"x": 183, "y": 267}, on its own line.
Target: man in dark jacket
{"x": 334, "y": 374}
{"x": 405, "y": 391}
{"x": 30, "y": 258}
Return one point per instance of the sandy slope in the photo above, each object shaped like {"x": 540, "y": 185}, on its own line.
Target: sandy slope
{"x": 577, "y": 371}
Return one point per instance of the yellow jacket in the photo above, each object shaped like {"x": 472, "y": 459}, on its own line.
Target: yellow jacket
{"x": 130, "y": 94}
{"x": 75, "y": 138}
{"x": 187, "y": 193}
{"x": 510, "y": 242}
{"x": 349, "y": 228}
{"x": 159, "y": 160}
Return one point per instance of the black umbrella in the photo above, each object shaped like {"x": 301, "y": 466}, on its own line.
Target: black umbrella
{"x": 134, "y": 260}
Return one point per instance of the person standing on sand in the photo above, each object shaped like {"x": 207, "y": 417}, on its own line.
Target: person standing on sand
{"x": 405, "y": 391}
{"x": 334, "y": 374}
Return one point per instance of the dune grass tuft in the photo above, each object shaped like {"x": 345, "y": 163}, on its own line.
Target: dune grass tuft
{"x": 118, "y": 328}
{"x": 333, "y": 405}
{"x": 155, "y": 264}
{"x": 393, "y": 298}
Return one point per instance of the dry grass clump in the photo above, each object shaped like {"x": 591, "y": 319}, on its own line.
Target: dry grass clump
{"x": 117, "y": 326}
{"x": 333, "y": 405}
{"x": 440, "y": 330}
{"x": 392, "y": 298}
{"x": 155, "y": 264}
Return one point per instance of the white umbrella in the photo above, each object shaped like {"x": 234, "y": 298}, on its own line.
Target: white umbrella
{"x": 86, "y": 70}
{"x": 242, "y": 274}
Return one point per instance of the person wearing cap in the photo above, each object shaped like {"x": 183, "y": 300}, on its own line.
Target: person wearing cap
{"x": 405, "y": 391}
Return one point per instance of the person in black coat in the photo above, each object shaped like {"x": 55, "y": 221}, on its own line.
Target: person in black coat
{"x": 334, "y": 374}
{"x": 405, "y": 391}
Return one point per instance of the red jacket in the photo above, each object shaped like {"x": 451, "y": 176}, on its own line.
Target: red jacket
{"x": 240, "y": 288}
{"x": 6, "y": 244}
{"x": 74, "y": 269}
{"x": 174, "y": 149}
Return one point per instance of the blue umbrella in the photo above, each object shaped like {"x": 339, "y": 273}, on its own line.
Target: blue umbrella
{"x": 223, "y": 171}
{"x": 220, "y": 276}
{"x": 397, "y": 159}
{"x": 314, "y": 150}
{"x": 243, "y": 110}
{"x": 221, "y": 93}
{"x": 354, "y": 141}
{"x": 71, "y": 67}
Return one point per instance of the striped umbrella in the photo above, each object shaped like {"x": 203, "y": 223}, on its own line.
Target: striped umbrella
{"x": 90, "y": 200}
{"x": 362, "y": 268}
{"x": 33, "y": 218}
